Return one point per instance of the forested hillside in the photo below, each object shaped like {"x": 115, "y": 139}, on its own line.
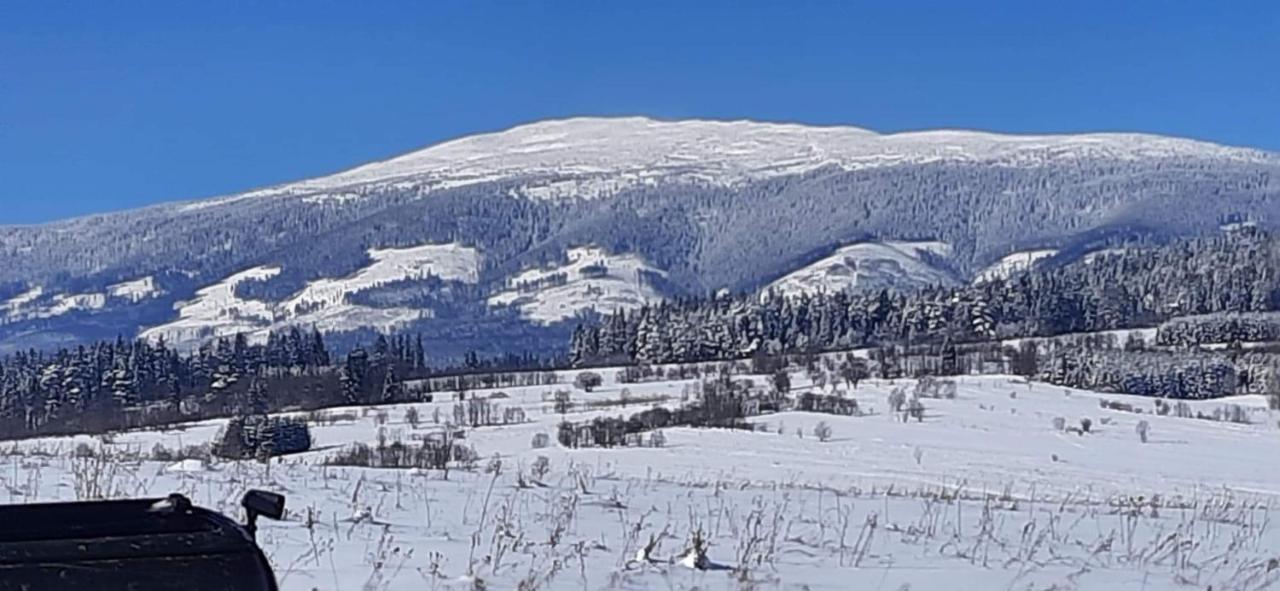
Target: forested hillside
{"x": 1235, "y": 272}
{"x": 757, "y": 203}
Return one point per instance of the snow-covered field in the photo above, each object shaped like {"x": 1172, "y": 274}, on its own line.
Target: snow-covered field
{"x": 593, "y": 280}
{"x": 217, "y": 310}
{"x": 1013, "y": 263}
{"x": 870, "y": 266}
{"x": 36, "y": 303}
{"x": 986, "y": 492}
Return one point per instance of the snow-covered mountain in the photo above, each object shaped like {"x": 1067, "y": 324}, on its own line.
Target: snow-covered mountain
{"x": 594, "y": 156}
{"x": 500, "y": 241}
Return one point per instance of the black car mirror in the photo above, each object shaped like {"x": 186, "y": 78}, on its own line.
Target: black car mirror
{"x": 261, "y": 502}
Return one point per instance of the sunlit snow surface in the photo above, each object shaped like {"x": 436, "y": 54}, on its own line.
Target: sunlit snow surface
{"x": 324, "y": 304}
{"x": 870, "y": 266}
{"x": 617, "y": 283}
{"x": 596, "y": 156}
{"x": 36, "y": 303}
{"x": 1013, "y": 263}
{"x": 984, "y": 493}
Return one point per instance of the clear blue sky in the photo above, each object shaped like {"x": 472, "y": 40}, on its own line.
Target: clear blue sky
{"x": 106, "y": 105}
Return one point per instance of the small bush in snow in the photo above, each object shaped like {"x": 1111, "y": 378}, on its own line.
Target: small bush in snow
{"x": 411, "y": 416}
{"x": 588, "y": 381}
{"x": 494, "y": 465}
{"x": 540, "y": 441}
{"x": 657, "y": 439}
{"x": 563, "y": 402}
{"x": 1235, "y": 413}
{"x": 897, "y": 399}
{"x": 540, "y": 468}
{"x": 160, "y": 453}
{"x": 916, "y": 410}
{"x": 1059, "y": 424}
{"x": 1086, "y": 424}
{"x": 925, "y": 387}
{"x": 822, "y": 431}
{"x": 1143, "y": 428}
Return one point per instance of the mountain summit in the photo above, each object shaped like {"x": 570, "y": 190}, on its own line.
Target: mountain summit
{"x": 594, "y": 156}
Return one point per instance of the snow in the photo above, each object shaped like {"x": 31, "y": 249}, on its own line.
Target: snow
{"x": 135, "y": 291}
{"x": 323, "y": 304}
{"x": 447, "y": 261}
{"x": 216, "y": 311}
{"x": 188, "y": 466}
{"x": 984, "y": 493}
{"x": 622, "y": 287}
{"x": 598, "y": 156}
{"x": 23, "y": 299}
{"x": 869, "y": 266}
{"x": 1013, "y": 263}
{"x": 35, "y": 303}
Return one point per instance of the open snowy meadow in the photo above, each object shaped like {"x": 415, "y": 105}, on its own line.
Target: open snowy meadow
{"x": 1008, "y": 485}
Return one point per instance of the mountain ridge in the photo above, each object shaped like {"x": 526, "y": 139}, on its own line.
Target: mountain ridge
{"x": 692, "y": 207}
{"x": 874, "y": 149}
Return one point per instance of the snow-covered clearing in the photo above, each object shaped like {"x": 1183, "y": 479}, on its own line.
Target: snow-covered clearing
{"x": 1013, "y": 263}
{"x": 36, "y": 303}
{"x": 135, "y": 290}
{"x": 218, "y": 311}
{"x": 592, "y": 280}
{"x": 986, "y": 492}
{"x": 869, "y": 266}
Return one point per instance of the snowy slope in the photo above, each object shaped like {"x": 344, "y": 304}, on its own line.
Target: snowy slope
{"x": 323, "y": 304}
{"x": 592, "y": 280}
{"x": 135, "y": 290}
{"x": 983, "y": 493}
{"x": 37, "y": 303}
{"x": 1013, "y": 263}
{"x": 595, "y": 156}
{"x": 869, "y": 266}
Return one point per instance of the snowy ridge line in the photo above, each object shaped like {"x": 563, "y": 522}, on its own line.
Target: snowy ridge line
{"x": 598, "y": 156}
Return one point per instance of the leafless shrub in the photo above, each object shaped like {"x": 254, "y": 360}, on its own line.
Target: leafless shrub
{"x": 540, "y": 441}
{"x": 822, "y": 431}
{"x": 563, "y": 403}
{"x": 95, "y": 476}
{"x": 541, "y": 467}
{"x": 1142, "y": 428}
{"x": 916, "y": 410}
{"x": 411, "y": 417}
{"x": 897, "y": 399}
